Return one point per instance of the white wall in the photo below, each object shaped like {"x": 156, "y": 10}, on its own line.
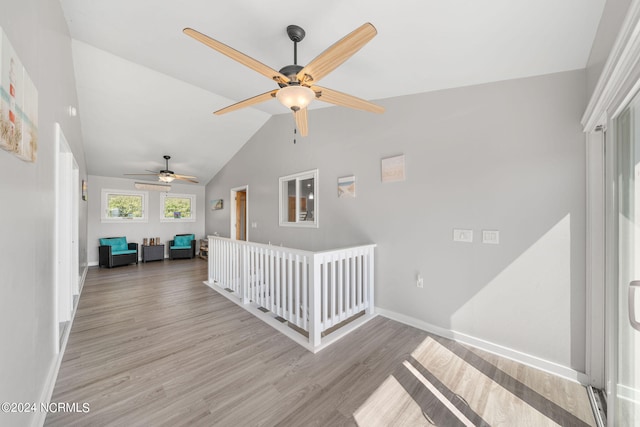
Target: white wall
{"x": 505, "y": 156}
{"x": 613, "y": 16}
{"x": 39, "y": 34}
{"x": 135, "y": 232}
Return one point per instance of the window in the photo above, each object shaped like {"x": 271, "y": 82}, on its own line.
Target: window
{"x": 177, "y": 207}
{"x": 122, "y": 206}
{"x": 299, "y": 200}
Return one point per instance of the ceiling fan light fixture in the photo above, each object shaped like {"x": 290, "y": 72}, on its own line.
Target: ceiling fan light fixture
{"x": 166, "y": 178}
{"x": 295, "y": 97}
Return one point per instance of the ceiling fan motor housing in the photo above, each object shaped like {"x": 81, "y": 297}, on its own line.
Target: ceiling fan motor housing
{"x": 290, "y": 71}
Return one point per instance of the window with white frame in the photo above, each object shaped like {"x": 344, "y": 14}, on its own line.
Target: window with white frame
{"x": 124, "y": 206}
{"x": 299, "y": 200}
{"x": 177, "y": 207}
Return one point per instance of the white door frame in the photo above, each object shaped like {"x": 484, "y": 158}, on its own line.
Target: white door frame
{"x": 618, "y": 83}
{"x": 66, "y": 253}
{"x": 75, "y": 244}
{"x": 595, "y": 262}
{"x": 232, "y": 211}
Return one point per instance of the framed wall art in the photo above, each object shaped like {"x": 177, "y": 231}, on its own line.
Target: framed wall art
{"x": 18, "y": 105}
{"x": 347, "y": 187}
{"x": 392, "y": 169}
{"x": 216, "y": 204}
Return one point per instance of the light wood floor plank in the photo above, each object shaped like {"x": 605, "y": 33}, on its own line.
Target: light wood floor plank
{"x": 152, "y": 345}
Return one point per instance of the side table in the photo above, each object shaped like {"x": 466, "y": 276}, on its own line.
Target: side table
{"x": 152, "y": 253}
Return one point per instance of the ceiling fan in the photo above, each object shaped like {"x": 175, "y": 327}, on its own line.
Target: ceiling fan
{"x": 298, "y": 84}
{"x": 167, "y": 175}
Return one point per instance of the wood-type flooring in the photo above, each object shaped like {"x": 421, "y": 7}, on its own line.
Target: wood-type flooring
{"x": 151, "y": 345}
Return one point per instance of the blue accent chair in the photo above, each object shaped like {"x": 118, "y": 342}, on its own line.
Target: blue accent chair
{"x": 115, "y": 251}
{"x": 182, "y": 246}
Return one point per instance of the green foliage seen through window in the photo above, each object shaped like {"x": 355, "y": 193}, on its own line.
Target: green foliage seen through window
{"x": 124, "y": 206}
{"x": 177, "y": 207}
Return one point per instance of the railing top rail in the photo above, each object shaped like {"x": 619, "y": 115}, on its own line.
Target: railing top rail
{"x": 267, "y": 246}
{"x": 297, "y": 251}
{"x": 346, "y": 249}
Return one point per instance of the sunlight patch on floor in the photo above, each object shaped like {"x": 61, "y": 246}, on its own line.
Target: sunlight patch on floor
{"x": 496, "y": 405}
{"x": 436, "y": 385}
{"x": 390, "y": 405}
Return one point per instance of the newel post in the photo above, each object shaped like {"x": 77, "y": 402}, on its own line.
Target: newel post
{"x": 210, "y": 258}
{"x": 370, "y": 282}
{"x": 315, "y": 327}
{"x": 244, "y": 272}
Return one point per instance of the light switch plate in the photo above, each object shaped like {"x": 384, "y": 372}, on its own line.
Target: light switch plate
{"x": 462, "y": 235}
{"x": 491, "y": 237}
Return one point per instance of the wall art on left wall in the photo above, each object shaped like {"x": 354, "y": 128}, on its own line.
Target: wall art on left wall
{"x": 18, "y": 105}
{"x": 216, "y": 204}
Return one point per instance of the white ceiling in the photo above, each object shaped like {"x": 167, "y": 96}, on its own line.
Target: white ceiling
{"x": 145, "y": 89}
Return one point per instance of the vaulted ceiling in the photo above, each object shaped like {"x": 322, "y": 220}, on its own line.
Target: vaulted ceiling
{"x": 145, "y": 89}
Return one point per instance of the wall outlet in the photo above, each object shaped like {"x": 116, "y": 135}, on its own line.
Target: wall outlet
{"x": 491, "y": 237}
{"x": 420, "y": 281}
{"x": 461, "y": 235}
{"x": 254, "y": 225}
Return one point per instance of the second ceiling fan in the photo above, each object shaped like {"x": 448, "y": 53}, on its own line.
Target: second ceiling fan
{"x": 298, "y": 84}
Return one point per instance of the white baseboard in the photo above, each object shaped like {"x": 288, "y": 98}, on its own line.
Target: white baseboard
{"x": 47, "y": 391}
{"x": 95, "y": 263}
{"x": 284, "y": 329}
{"x": 518, "y": 356}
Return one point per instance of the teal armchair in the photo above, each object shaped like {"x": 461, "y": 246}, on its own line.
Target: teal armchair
{"x": 182, "y": 246}
{"x": 115, "y": 251}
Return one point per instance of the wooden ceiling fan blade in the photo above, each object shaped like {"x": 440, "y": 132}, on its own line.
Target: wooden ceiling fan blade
{"x": 336, "y": 54}
{"x": 186, "y": 178}
{"x": 248, "y": 102}
{"x": 246, "y": 60}
{"x": 302, "y": 122}
{"x": 338, "y": 98}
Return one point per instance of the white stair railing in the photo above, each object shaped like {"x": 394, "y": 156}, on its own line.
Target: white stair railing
{"x": 312, "y": 291}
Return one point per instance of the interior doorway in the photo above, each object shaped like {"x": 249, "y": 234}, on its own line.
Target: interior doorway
{"x": 240, "y": 213}
{"x": 66, "y": 260}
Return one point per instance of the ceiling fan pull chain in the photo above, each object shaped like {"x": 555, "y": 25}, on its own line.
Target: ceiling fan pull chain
{"x": 294, "y": 135}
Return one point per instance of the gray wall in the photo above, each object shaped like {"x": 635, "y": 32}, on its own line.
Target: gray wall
{"x": 39, "y": 34}
{"x": 135, "y": 232}
{"x": 505, "y": 156}
{"x": 610, "y": 23}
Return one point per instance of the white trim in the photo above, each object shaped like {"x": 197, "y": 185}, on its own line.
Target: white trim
{"x": 232, "y": 211}
{"x": 595, "y": 261}
{"x": 518, "y": 356}
{"x": 315, "y": 175}
{"x": 163, "y": 198}
{"x": 284, "y": 329}
{"x": 618, "y": 83}
{"x": 620, "y": 76}
{"x": 50, "y": 383}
